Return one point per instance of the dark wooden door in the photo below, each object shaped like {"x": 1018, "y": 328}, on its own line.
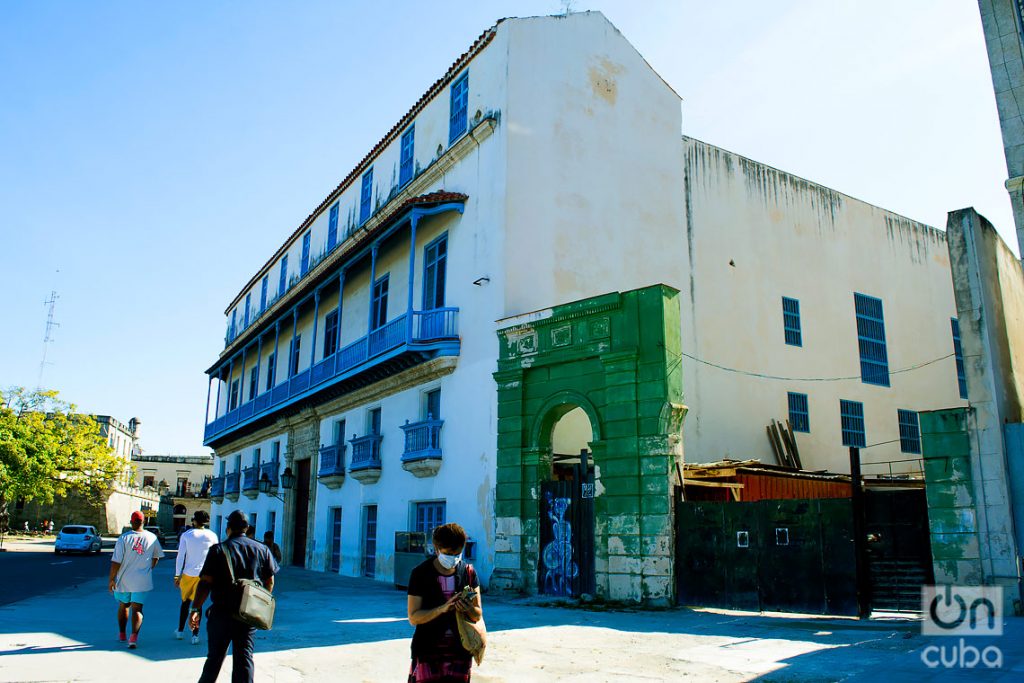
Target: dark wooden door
{"x": 566, "y": 563}
{"x": 301, "y": 513}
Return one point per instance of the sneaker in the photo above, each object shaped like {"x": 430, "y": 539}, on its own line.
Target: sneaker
{"x": 133, "y": 641}
{"x": 122, "y": 637}
{"x": 195, "y": 640}
{"x": 178, "y": 635}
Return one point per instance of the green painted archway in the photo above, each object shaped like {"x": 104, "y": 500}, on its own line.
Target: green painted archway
{"x": 617, "y": 357}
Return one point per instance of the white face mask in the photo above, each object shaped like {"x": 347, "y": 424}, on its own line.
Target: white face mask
{"x": 448, "y": 561}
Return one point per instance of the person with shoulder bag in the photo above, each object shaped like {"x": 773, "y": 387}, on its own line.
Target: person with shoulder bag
{"x": 444, "y": 605}
{"x": 239, "y": 575}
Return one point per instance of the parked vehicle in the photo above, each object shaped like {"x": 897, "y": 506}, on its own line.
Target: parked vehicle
{"x": 78, "y": 538}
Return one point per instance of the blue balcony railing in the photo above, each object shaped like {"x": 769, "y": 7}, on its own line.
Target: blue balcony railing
{"x": 332, "y": 461}
{"x": 231, "y": 482}
{"x": 422, "y": 440}
{"x": 250, "y": 479}
{"x": 217, "y": 487}
{"x": 365, "y": 452}
{"x": 427, "y": 327}
{"x": 271, "y": 469}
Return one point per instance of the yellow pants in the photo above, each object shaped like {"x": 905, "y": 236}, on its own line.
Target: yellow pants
{"x": 188, "y": 585}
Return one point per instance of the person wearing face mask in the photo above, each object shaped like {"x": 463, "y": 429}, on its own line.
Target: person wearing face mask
{"x": 435, "y": 587}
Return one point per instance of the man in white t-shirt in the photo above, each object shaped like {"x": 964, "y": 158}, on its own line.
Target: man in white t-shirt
{"x": 131, "y": 575}
{"x": 193, "y": 546}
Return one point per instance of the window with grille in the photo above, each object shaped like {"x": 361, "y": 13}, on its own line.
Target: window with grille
{"x": 851, "y": 415}
{"x": 958, "y": 352}
{"x": 366, "y": 196}
{"x": 791, "y": 321}
{"x": 874, "y": 358}
{"x": 459, "y": 108}
{"x": 799, "y": 417}
{"x": 405, "y": 166}
{"x": 304, "y": 264}
{"x": 429, "y": 516}
{"x": 332, "y": 228}
{"x": 910, "y": 431}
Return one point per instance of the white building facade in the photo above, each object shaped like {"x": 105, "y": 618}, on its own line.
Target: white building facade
{"x": 546, "y": 166}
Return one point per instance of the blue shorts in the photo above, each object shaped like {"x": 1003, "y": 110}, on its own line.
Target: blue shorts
{"x": 138, "y": 597}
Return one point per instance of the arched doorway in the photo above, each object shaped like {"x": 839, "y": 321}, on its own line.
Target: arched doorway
{"x": 180, "y": 513}
{"x": 566, "y": 559}
{"x": 615, "y": 358}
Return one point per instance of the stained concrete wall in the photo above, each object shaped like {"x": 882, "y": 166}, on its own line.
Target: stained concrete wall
{"x": 756, "y": 234}
{"x": 989, "y": 291}
{"x": 1001, "y": 22}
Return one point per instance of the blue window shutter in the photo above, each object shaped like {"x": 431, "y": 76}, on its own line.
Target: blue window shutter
{"x": 791, "y": 321}
{"x": 284, "y": 276}
{"x": 332, "y": 228}
{"x": 958, "y": 352}
{"x": 459, "y": 108}
{"x": 405, "y": 167}
{"x": 366, "y": 196}
{"x": 851, "y": 416}
{"x": 263, "y": 293}
{"x": 304, "y": 266}
{"x": 380, "y": 303}
{"x": 799, "y": 417}
{"x": 232, "y": 331}
{"x": 910, "y": 431}
{"x": 874, "y": 358}
{"x": 248, "y": 305}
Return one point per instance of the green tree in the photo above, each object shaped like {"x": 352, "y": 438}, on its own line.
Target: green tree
{"x": 48, "y": 449}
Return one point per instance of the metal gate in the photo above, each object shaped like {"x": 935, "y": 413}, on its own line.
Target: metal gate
{"x": 769, "y": 555}
{"x": 898, "y": 548}
{"x": 566, "y": 565}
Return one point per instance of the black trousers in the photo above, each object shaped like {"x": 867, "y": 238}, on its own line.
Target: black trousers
{"x": 221, "y": 631}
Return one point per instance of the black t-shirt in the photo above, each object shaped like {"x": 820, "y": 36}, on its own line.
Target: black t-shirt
{"x": 250, "y": 559}
{"x": 435, "y": 589}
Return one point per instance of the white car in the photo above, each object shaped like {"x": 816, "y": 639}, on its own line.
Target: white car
{"x": 78, "y": 538}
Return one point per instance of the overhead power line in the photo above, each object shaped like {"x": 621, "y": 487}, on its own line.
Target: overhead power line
{"x": 761, "y": 375}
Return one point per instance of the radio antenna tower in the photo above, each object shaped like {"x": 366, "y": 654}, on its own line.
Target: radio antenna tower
{"x": 50, "y": 324}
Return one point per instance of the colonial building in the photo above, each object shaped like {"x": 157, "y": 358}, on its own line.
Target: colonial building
{"x": 183, "y": 482}
{"x": 520, "y": 284}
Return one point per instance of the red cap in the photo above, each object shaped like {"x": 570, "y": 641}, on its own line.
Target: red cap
{"x": 138, "y": 516}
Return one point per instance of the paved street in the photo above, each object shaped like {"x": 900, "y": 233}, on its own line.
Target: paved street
{"x": 28, "y": 574}
{"x": 333, "y": 628}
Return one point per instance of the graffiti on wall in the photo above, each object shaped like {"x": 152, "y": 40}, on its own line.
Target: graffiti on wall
{"x": 559, "y": 567}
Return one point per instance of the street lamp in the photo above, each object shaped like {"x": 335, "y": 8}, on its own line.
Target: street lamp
{"x": 287, "y": 481}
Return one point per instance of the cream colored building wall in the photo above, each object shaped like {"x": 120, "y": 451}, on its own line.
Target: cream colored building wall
{"x": 756, "y": 234}
{"x": 594, "y": 165}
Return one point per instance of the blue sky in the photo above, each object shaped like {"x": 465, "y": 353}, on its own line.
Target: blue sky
{"x": 154, "y": 155}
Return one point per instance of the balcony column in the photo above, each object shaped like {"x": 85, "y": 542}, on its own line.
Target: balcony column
{"x": 373, "y": 284}
{"x": 413, "y": 220}
{"x": 206, "y": 415}
{"x": 316, "y": 321}
{"x": 277, "y": 358}
{"x": 295, "y": 332}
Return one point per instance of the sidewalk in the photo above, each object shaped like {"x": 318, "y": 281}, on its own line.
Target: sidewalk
{"x": 331, "y": 628}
